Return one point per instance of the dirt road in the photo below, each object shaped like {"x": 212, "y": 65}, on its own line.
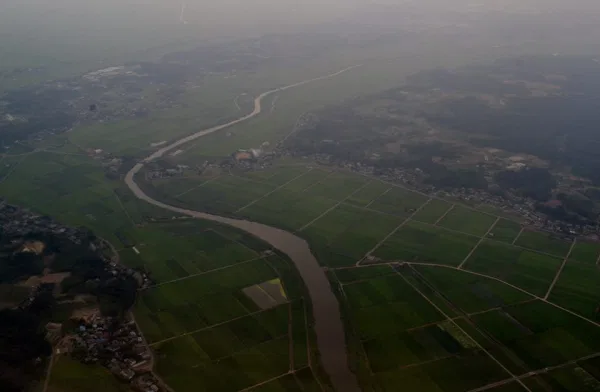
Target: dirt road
{"x": 329, "y": 327}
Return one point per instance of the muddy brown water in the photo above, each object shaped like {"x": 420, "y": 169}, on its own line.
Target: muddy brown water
{"x": 329, "y": 327}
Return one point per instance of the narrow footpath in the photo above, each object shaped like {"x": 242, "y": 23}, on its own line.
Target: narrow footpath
{"x": 329, "y": 326}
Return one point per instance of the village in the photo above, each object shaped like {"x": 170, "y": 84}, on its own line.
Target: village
{"x": 88, "y": 336}
{"x": 512, "y": 204}
{"x": 118, "y": 345}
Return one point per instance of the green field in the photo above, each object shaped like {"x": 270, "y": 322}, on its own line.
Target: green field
{"x": 571, "y": 378}
{"x": 577, "y": 288}
{"x": 204, "y": 329}
{"x": 350, "y": 275}
{"x": 433, "y": 211}
{"x": 170, "y": 251}
{"x": 544, "y": 242}
{"x": 404, "y": 340}
{"x": 528, "y": 270}
{"x": 470, "y": 293}
{"x": 418, "y": 242}
{"x": 468, "y": 221}
{"x": 385, "y": 305}
{"x": 399, "y": 201}
{"x": 189, "y": 304}
{"x": 244, "y": 352}
{"x": 72, "y": 189}
{"x": 522, "y": 333}
{"x": 70, "y": 375}
{"x": 587, "y": 252}
{"x": 540, "y": 335}
{"x": 342, "y": 237}
{"x": 505, "y": 231}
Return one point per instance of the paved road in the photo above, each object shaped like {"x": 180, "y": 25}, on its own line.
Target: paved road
{"x": 329, "y": 327}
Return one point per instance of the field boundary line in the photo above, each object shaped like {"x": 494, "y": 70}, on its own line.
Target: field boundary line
{"x": 464, "y": 317}
{"x": 203, "y": 273}
{"x": 376, "y": 198}
{"x": 365, "y": 279}
{"x": 152, "y": 353}
{"x": 15, "y": 166}
{"x": 273, "y": 103}
{"x": 562, "y": 266}
{"x": 448, "y": 318}
{"x": 234, "y": 240}
{"x": 335, "y": 206}
{"x": 424, "y": 194}
{"x": 476, "y": 273}
{"x": 198, "y": 186}
{"x": 416, "y": 364}
{"x": 518, "y": 235}
{"x": 534, "y": 373}
{"x": 535, "y": 296}
{"x": 508, "y": 284}
{"x": 244, "y": 348}
{"x": 274, "y": 190}
{"x": 308, "y": 352}
{"x": 444, "y": 214}
{"x": 123, "y": 208}
{"x": 456, "y": 231}
{"x": 319, "y": 181}
{"x": 48, "y": 372}
{"x": 487, "y": 233}
{"x": 346, "y": 303}
{"x": 212, "y": 326}
{"x": 397, "y": 228}
{"x": 290, "y": 338}
{"x": 294, "y": 128}
{"x": 252, "y": 180}
{"x": 250, "y": 388}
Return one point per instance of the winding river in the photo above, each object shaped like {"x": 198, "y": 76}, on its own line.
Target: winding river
{"x": 329, "y": 327}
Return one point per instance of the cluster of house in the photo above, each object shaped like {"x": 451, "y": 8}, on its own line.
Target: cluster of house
{"x": 16, "y": 221}
{"x": 118, "y": 346}
{"x": 517, "y": 205}
{"x": 178, "y": 170}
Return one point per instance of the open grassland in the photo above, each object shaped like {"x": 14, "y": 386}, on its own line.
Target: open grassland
{"x": 529, "y": 270}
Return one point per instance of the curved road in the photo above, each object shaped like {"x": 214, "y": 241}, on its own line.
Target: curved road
{"x": 329, "y": 327}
